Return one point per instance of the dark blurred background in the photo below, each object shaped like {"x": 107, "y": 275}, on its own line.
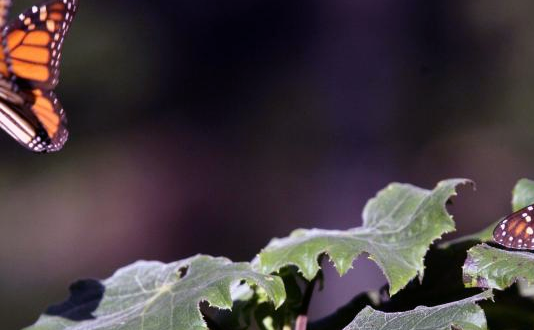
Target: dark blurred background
{"x": 212, "y": 126}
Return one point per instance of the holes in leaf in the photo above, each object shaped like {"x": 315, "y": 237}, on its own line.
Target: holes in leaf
{"x": 183, "y": 271}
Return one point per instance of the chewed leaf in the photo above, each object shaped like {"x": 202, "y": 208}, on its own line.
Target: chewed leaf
{"x": 489, "y": 267}
{"x": 399, "y": 225}
{"x": 155, "y": 296}
{"x": 523, "y": 194}
{"x": 464, "y": 314}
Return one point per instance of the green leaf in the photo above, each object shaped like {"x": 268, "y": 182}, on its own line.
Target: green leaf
{"x": 489, "y": 267}
{"x": 399, "y": 225}
{"x": 442, "y": 284}
{"x": 155, "y": 296}
{"x": 464, "y": 314}
{"x": 523, "y": 194}
{"x": 289, "y": 311}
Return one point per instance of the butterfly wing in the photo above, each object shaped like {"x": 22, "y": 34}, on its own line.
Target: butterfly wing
{"x": 32, "y": 45}
{"x": 33, "y": 42}
{"x": 516, "y": 230}
{"x": 51, "y": 116}
{"x": 5, "y": 5}
{"x": 22, "y": 124}
{"x": 4, "y": 11}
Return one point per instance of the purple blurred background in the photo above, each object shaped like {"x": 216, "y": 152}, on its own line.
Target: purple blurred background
{"x": 210, "y": 127}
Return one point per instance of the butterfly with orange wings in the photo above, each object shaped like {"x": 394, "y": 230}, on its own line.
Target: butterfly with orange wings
{"x": 516, "y": 231}
{"x": 29, "y": 71}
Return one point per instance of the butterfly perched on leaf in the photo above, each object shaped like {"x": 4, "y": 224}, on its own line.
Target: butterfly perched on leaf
{"x": 29, "y": 70}
{"x": 516, "y": 230}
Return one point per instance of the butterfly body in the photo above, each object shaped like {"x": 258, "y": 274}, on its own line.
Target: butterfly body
{"x": 29, "y": 71}
{"x": 516, "y": 230}
{"x": 8, "y": 93}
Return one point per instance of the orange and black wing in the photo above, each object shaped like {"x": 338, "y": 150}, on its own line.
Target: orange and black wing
{"x": 5, "y": 5}
{"x": 32, "y": 51}
{"x": 33, "y": 42}
{"x": 46, "y": 107}
{"x": 516, "y": 230}
{"x": 38, "y": 124}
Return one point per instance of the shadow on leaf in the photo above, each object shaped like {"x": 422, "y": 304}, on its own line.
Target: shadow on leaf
{"x": 85, "y": 296}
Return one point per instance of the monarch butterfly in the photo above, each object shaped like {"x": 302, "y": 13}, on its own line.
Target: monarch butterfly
{"x": 29, "y": 71}
{"x": 516, "y": 230}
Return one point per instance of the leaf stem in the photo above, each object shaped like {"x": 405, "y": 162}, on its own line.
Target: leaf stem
{"x": 306, "y": 300}
{"x": 301, "y": 323}
{"x": 302, "y": 319}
